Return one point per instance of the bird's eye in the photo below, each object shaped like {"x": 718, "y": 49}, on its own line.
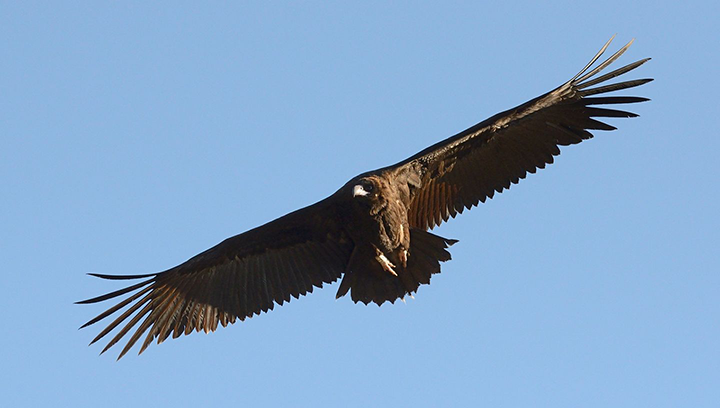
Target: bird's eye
{"x": 368, "y": 187}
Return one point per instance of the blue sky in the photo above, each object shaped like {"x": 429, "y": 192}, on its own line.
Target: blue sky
{"x": 135, "y": 136}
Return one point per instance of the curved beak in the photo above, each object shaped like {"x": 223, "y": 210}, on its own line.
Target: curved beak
{"x": 358, "y": 190}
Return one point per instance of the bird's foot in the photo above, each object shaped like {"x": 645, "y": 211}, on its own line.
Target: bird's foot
{"x": 403, "y": 257}
{"x": 385, "y": 263}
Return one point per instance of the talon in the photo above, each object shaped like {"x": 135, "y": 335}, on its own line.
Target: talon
{"x": 385, "y": 263}
{"x": 404, "y": 257}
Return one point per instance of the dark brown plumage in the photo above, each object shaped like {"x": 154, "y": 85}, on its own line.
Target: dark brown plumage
{"x": 373, "y": 231}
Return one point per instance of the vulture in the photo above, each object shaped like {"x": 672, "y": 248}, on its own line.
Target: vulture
{"x": 374, "y": 231}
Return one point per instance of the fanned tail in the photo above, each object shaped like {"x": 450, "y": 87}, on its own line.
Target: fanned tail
{"x": 368, "y": 282}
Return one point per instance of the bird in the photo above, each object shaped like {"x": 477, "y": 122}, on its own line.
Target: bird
{"x": 373, "y": 232}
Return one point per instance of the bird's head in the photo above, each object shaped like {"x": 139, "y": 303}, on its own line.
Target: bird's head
{"x": 365, "y": 188}
{"x": 368, "y": 194}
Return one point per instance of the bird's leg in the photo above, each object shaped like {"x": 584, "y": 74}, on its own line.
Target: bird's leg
{"x": 384, "y": 262}
{"x": 403, "y": 257}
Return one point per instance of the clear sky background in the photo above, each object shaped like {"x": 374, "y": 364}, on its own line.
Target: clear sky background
{"x": 135, "y": 136}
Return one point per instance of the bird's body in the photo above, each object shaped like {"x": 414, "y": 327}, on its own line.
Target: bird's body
{"x": 373, "y": 231}
{"x": 389, "y": 258}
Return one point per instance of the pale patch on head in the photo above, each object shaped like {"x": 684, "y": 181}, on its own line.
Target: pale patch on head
{"x": 363, "y": 188}
{"x": 359, "y": 190}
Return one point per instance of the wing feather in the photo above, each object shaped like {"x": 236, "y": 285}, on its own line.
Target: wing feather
{"x": 242, "y": 276}
{"x": 489, "y": 157}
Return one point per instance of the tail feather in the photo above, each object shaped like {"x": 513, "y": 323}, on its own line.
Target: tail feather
{"x": 367, "y": 281}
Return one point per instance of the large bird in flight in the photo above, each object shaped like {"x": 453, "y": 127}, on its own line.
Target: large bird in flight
{"x": 373, "y": 231}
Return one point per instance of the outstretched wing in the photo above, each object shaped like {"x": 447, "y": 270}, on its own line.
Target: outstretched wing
{"x": 242, "y": 276}
{"x": 471, "y": 166}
